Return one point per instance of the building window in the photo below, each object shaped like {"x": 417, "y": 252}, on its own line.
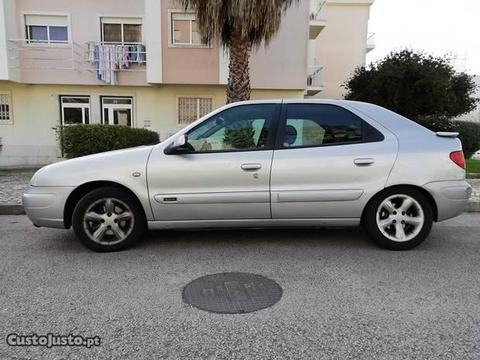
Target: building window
{"x": 5, "y": 108}
{"x": 184, "y": 29}
{"x": 46, "y": 29}
{"x": 117, "y": 110}
{"x": 122, "y": 30}
{"x": 75, "y": 110}
{"x": 191, "y": 109}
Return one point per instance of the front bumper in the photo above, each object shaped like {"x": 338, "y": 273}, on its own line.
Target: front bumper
{"x": 44, "y": 206}
{"x": 451, "y": 197}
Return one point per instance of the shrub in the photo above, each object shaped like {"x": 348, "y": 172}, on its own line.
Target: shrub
{"x": 470, "y": 136}
{"x": 81, "y": 140}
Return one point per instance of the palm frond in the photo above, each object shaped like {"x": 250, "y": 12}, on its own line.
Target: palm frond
{"x": 255, "y": 21}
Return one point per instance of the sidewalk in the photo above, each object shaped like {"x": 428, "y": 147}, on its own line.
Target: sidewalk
{"x": 13, "y": 182}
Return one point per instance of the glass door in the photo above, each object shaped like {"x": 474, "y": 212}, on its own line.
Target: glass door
{"x": 117, "y": 111}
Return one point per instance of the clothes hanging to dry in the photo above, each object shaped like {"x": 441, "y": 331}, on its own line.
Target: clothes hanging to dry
{"x": 108, "y": 59}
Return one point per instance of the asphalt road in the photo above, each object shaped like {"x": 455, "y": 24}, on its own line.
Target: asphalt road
{"x": 343, "y": 297}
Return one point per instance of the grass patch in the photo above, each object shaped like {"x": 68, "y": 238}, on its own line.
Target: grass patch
{"x": 473, "y": 166}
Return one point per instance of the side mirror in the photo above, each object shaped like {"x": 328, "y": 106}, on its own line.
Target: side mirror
{"x": 180, "y": 141}
{"x": 179, "y": 146}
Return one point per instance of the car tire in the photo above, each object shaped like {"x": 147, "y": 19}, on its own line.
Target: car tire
{"x": 399, "y": 218}
{"x": 108, "y": 219}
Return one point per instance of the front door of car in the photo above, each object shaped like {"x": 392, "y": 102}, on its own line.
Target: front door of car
{"x": 224, "y": 174}
{"x": 328, "y": 162}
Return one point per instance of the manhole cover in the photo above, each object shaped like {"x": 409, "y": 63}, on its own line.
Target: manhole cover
{"x": 232, "y": 293}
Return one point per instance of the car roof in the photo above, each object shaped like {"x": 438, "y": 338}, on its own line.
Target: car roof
{"x": 288, "y": 101}
{"x": 391, "y": 120}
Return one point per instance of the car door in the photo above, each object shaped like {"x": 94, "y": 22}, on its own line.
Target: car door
{"x": 328, "y": 162}
{"x": 226, "y": 173}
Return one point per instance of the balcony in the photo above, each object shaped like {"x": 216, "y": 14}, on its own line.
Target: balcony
{"x": 370, "y": 42}
{"x": 314, "y": 80}
{"x": 24, "y": 54}
{"x": 317, "y": 21}
{"x": 77, "y": 63}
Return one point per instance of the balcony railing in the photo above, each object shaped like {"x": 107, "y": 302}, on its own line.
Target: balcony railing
{"x": 317, "y": 18}
{"x": 370, "y": 41}
{"x": 315, "y": 78}
{"x": 24, "y": 54}
{"x": 317, "y": 10}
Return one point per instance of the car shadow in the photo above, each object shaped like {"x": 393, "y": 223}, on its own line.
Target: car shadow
{"x": 324, "y": 237}
{"x": 247, "y": 240}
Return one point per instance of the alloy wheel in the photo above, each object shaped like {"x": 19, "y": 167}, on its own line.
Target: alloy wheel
{"x": 108, "y": 221}
{"x": 400, "y": 218}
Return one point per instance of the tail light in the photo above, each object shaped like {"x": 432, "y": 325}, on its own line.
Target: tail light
{"x": 458, "y": 158}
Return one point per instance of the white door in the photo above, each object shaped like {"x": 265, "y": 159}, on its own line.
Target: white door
{"x": 117, "y": 111}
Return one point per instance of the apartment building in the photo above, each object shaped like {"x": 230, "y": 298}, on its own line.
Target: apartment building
{"x": 138, "y": 63}
{"x": 339, "y": 44}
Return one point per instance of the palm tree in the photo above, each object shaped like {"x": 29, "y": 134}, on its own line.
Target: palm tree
{"x": 238, "y": 25}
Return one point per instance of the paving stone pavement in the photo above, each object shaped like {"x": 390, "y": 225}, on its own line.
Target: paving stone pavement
{"x": 13, "y": 182}
{"x": 476, "y": 189}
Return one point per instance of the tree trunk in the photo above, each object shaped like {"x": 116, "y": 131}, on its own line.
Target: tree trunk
{"x": 238, "y": 88}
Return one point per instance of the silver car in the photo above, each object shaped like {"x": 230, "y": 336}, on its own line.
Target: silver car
{"x": 257, "y": 164}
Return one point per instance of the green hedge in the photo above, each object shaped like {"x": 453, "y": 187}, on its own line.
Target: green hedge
{"x": 469, "y": 131}
{"x": 81, "y": 140}
{"x": 470, "y": 136}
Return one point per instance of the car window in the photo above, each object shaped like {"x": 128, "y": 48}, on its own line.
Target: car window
{"x": 317, "y": 124}
{"x": 245, "y": 127}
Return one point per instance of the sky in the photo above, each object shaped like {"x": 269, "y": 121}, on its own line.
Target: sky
{"x": 436, "y": 26}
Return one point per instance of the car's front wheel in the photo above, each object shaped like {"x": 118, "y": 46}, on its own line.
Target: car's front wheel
{"x": 108, "y": 219}
{"x": 399, "y": 218}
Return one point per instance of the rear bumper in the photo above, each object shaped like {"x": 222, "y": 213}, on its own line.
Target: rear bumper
{"x": 451, "y": 197}
{"x": 44, "y": 206}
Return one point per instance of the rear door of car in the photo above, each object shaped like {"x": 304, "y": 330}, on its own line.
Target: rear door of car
{"x": 328, "y": 161}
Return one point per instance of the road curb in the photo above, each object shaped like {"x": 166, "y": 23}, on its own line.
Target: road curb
{"x": 473, "y": 206}
{"x": 11, "y": 209}
{"x": 14, "y": 209}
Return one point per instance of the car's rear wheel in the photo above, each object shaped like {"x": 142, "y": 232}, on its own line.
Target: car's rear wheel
{"x": 399, "y": 218}
{"x": 108, "y": 219}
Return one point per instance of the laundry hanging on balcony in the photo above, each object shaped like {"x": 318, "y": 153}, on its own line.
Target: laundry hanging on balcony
{"x": 109, "y": 59}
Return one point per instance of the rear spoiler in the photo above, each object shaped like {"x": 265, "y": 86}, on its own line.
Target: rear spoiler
{"x": 447, "y": 134}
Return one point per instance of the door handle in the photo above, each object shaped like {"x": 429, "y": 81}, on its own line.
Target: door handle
{"x": 251, "y": 167}
{"x": 364, "y": 162}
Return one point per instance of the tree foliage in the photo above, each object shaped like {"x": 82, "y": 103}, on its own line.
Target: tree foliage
{"x": 255, "y": 21}
{"x": 415, "y": 85}
{"x": 238, "y": 25}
